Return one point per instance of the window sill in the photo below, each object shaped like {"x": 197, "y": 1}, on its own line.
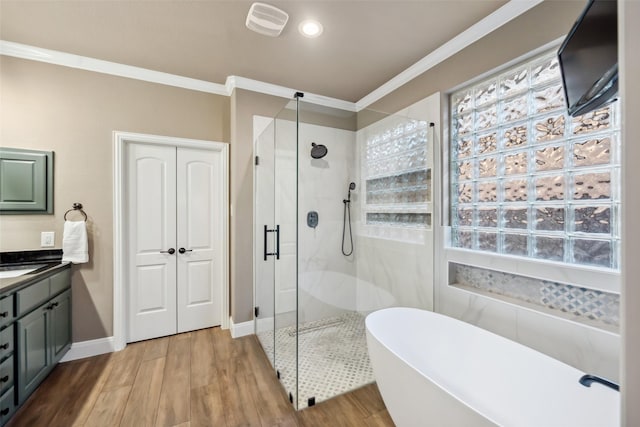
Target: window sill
{"x": 596, "y": 278}
{"x": 519, "y": 304}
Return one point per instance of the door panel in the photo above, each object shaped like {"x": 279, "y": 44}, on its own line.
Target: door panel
{"x": 152, "y": 288}
{"x": 60, "y": 321}
{"x": 33, "y": 348}
{"x": 199, "y": 225}
{"x": 152, "y": 222}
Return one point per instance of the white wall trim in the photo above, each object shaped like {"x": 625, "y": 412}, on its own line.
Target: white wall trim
{"x": 120, "y": 241}
{"x": 506, "y": 13}
{"x": 64, "y": 59}
{"x": 106, "y": 67}
{"x": 241, "y": 329}
{"x": 236, "y": 82}
{"x": 83, "y": 349}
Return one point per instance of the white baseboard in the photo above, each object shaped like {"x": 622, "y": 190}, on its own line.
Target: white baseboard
{"x": 80, "y": 350}
{"x": 240, "y": 329}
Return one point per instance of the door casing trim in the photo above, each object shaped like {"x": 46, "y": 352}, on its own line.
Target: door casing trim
{"x": 120, "y": 141}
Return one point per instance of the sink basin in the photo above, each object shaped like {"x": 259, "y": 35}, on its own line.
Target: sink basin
{"x": 10, "y": 271}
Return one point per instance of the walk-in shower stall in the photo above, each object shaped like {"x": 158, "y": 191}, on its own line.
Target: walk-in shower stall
{"x": 342, "y": 228}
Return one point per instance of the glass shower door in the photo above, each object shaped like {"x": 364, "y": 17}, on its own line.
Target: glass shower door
{"x": 275, "y": 248}
{"x": 285, "y": 271}
{"x": 264, "y": 221}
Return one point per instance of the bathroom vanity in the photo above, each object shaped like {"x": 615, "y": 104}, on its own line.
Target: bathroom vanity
{"x": 35, "y": 322}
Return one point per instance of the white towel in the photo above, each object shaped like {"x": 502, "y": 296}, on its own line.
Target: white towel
{"x": 75, "y": 247}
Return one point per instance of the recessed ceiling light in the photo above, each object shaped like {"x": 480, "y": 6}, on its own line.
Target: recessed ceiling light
{"x": 310, "y": 28}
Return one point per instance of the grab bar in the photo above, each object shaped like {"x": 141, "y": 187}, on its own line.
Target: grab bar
{"x": 587, "y": 379}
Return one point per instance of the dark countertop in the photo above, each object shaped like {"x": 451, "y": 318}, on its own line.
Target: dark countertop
{"x": 50, "y": 262}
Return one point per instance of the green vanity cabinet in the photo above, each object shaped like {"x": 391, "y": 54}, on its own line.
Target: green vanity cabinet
{"x": 36, "y": 340}
{"x": 44, "y": 336}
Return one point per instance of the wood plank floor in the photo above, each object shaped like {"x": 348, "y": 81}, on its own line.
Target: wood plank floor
{"x": 201, "y": 378}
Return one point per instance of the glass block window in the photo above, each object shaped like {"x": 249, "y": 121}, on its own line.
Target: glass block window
{"x": 397, "y": 177}
{"x": 528, "y": 179}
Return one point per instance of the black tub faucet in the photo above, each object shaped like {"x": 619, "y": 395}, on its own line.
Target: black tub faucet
{"x": 587, "y": 379}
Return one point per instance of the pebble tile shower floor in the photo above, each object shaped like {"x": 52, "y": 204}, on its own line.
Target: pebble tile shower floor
{"x": 333, "y": 357}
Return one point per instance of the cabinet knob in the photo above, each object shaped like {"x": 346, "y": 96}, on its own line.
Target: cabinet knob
{"x": 4, "y": 314}
{"x": 55, "y": 304}
{"x": 4, "y": 346}
{"x": 169, "y": 251}
{"x": 4, "y": 379}
{"x": 5, "y": 411}
{"x": 183, "y": 250}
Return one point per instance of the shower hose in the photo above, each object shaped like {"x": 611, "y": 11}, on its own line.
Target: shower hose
{"x": 347, "y": 219}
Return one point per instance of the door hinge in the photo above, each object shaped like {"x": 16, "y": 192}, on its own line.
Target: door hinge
{"x": 257, "y": 160}
{"x": 256, "y": 311}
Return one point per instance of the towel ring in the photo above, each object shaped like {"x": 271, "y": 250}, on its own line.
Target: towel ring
{"x": 76, "y": 207}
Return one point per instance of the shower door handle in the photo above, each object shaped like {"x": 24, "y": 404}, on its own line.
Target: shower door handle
{"x": 277, "y": 242}
{"x": 277, "y": 252}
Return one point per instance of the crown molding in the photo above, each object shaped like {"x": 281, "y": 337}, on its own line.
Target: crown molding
{"x": 106, "y": 67}
{"x": 237, "y": 82}
{"x": 64, "y": 59}
{"x": 506, "y": 13}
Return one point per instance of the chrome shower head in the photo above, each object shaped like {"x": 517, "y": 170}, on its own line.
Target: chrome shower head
{"x": 318, "y": 151}
{"x": 352, "y": 186}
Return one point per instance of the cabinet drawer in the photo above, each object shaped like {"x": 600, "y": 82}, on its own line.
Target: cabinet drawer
{"x": 60, "y": 281}
{"x": 6, "y": 310}
{"x": 7, "y": 406}
{"x": 32, "y": 296}
{"x": 6, "y": 374}
{"x": 6, "y": 342}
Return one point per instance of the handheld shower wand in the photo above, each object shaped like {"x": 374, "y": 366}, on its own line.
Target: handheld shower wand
{"x": 347, "y": 218}
{"x": 352, "y": 186}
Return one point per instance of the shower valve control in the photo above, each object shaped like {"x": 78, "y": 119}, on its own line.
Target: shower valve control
{"x": 312, "y": 219}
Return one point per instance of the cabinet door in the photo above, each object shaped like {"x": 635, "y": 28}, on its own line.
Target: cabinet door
{"x": 60, "y": 325}
{"x": 33, "y": 350}
{"x": 26, "y": 181}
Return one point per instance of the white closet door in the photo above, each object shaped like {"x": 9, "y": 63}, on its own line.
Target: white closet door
{"x": 152, "y": 232}
{"x": 199, "y": 220}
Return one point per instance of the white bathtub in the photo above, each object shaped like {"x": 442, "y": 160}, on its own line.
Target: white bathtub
{"x": 433, "y": 370}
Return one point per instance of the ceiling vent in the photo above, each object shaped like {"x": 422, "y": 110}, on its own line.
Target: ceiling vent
{"x": 266, "y": 19}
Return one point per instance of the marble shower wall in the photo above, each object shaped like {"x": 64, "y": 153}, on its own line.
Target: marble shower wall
{"x": 327, "y": 278}
{"x": 398, "y": 261}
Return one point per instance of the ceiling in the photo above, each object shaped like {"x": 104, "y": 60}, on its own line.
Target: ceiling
{"x": 364, "y": 44}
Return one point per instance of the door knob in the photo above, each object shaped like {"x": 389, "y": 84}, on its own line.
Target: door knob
{"x": 169, "y": 251}
{"x": 183, "y": 250}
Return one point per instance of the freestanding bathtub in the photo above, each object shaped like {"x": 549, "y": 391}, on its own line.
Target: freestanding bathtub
{"x": 433, "y": 370}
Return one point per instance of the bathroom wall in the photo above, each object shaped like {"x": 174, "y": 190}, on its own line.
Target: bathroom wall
{"x": 585, "y": 347}
{"x": 74, "y": 113}
{"x": 629, "y": 34}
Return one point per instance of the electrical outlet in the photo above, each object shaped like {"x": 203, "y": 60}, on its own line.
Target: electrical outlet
{"x": 47, "y": 239}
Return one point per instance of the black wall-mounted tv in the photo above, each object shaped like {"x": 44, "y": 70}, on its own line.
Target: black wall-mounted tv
{"x": 589, "y": 58}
